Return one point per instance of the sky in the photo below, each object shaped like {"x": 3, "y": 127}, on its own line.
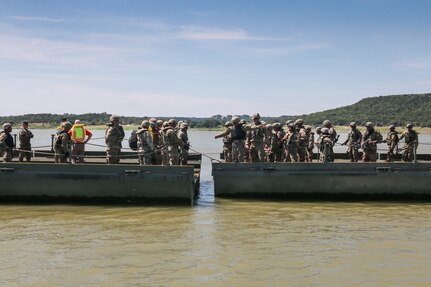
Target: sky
{"x": 199, "y": 58}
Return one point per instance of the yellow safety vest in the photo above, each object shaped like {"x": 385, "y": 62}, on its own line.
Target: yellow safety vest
{"x": 78, "y": 133}
{"x": 151, "y": 133}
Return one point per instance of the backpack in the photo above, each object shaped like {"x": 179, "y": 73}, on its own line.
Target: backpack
{"x": 133, "y": 141}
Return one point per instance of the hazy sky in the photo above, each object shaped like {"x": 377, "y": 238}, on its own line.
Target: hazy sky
{"x": 201, "y": 58}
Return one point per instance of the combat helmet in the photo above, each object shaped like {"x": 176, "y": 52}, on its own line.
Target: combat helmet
{"x": 145, "y": 123}
{"x": 369, "y": 125}
{"x": 235, "y": 120}
{"x": 255, "y": 116}
{"x": 327, "y": 123}
{"x": 352, "y": 124}
{"x": 392, "y": 127}
{"x": 409, "y": 125}
{"x": 243, "y": 122}
{"x": 7, "y": 126}
{"x": 184, "y": 125}
{"x": 227, "y": 124}
{"x": 299, "y": 122}
{"x": 288, "y": 122}
{"x": 114, "y": 118}
{"x": 66, "y": 125}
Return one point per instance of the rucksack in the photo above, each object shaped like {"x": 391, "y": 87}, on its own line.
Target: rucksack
{"x": 133, "y": 141}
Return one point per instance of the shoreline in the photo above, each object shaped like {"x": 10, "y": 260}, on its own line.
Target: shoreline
{"x": 343, "y": 129}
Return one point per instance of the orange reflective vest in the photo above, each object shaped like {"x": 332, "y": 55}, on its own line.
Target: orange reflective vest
{"x": 78, "y": 133}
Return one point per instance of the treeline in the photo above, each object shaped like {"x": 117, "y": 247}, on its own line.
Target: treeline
{"x": 384, "y": 110}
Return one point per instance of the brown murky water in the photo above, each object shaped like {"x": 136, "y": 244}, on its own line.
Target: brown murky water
{"x": 218, "y": 242}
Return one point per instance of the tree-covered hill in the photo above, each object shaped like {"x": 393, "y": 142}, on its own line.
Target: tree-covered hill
{"x": 383, "y": 110}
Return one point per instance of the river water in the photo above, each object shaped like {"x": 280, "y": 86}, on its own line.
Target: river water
{"x": 218, "y": 242}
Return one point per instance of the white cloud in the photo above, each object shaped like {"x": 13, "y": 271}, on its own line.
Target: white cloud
{"x": 37, "y": 19}
{"x": 209, "y": 34}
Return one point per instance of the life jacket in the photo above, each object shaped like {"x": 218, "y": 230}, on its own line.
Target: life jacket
{"x": 238, "y": 133}
{"x": 77, "y": 133}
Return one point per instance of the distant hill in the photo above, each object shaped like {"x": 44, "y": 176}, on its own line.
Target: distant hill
{"x": 383, "y": 110}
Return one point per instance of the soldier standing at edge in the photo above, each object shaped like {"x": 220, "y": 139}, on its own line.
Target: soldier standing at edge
{"x": 411, "y": 143}
{"x": 25, "y": 135}
{"x": 255, "y": 136}
{"x": 370, "y": 139}
{"x": 354, "y": 141}
{"x": 6, "y": 143}
{"x": 392, "y": 140}
{"x": 227, "y": 141}
{"x": 114, "y": 135}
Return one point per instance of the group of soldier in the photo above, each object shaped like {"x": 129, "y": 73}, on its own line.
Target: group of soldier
{"x": 157, "y": 142}
{"x": 7, "y": 143}
{"x": 166, "y": 142}
{"x": 261, "y": 142}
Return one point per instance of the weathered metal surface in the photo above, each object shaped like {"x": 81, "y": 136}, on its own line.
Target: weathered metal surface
{"x": 321, "y": 180}
{"x": 122, "y": 182}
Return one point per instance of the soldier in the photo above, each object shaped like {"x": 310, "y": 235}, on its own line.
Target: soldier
{"x": 326, "y": 144}
{"x": 62, "y": 143}
{"x": 255, "y": 136}
{"x": 309, "y": 141}
{"x": 159, "y": 143}
{"x": 277, "y": 142}
{"x": 392, "y": 140}
{"x": 410, "y": 137}
{"x": 6, "y": 143}
{"x": 114, "y": 135}
{"x": 165, "y": 152}
{"x": 173, "y": 143}
{"x": 370, "y": 139}
{"x": 267, "y": 140}
{"x": 145, "y": 143}
{"x": 227, "y": 141}
{"x": 238, "y": 135}
{"x": 331, "y": 132}
{"x": 354, "y": 139}
{"x": 318, "y": 132}
{"x": 291, "y": 144}
{"x": 184, "y": 138}
{"x": 301, "y": 133}
{"x": 25, "y": 135}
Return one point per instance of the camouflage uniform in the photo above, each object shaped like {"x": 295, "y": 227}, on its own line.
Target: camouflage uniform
{"x": 238, "y": 134}
{"x": 326, "y": 144}
{"x": 370, "y": 139}
{"x": 114, "y": 135}
{"x": 184, "y": 138}
{"x": 227, "y": 142}
{"x": 173, "y": 143}
{"x": 6, "y": 143}
{"x": 302, "y": 143}
{"x": 164, "y": 148}
{"x": 392, "y": 140}
{"x": 411, "y": 143}
{"x": 309, "y": 141}
{"x": 277, "y": 142}
{"x": 333, "y": 134}
{"x": 255, "y": 136}
{"x": 62, "y": 143}
{"x": 291, "y": 145}
{"x": 145, "y": 144}
{"x": 24, "y": 144}
{"x": 159, "y": 143}
{"x": 354, "y": 142}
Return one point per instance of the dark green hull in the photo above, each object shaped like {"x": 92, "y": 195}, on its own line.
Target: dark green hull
{"x": 318, "y": 180}
{"x": 98, "y": 182}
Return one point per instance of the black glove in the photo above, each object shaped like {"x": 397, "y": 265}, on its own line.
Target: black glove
{"x": 187, "y": 146}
